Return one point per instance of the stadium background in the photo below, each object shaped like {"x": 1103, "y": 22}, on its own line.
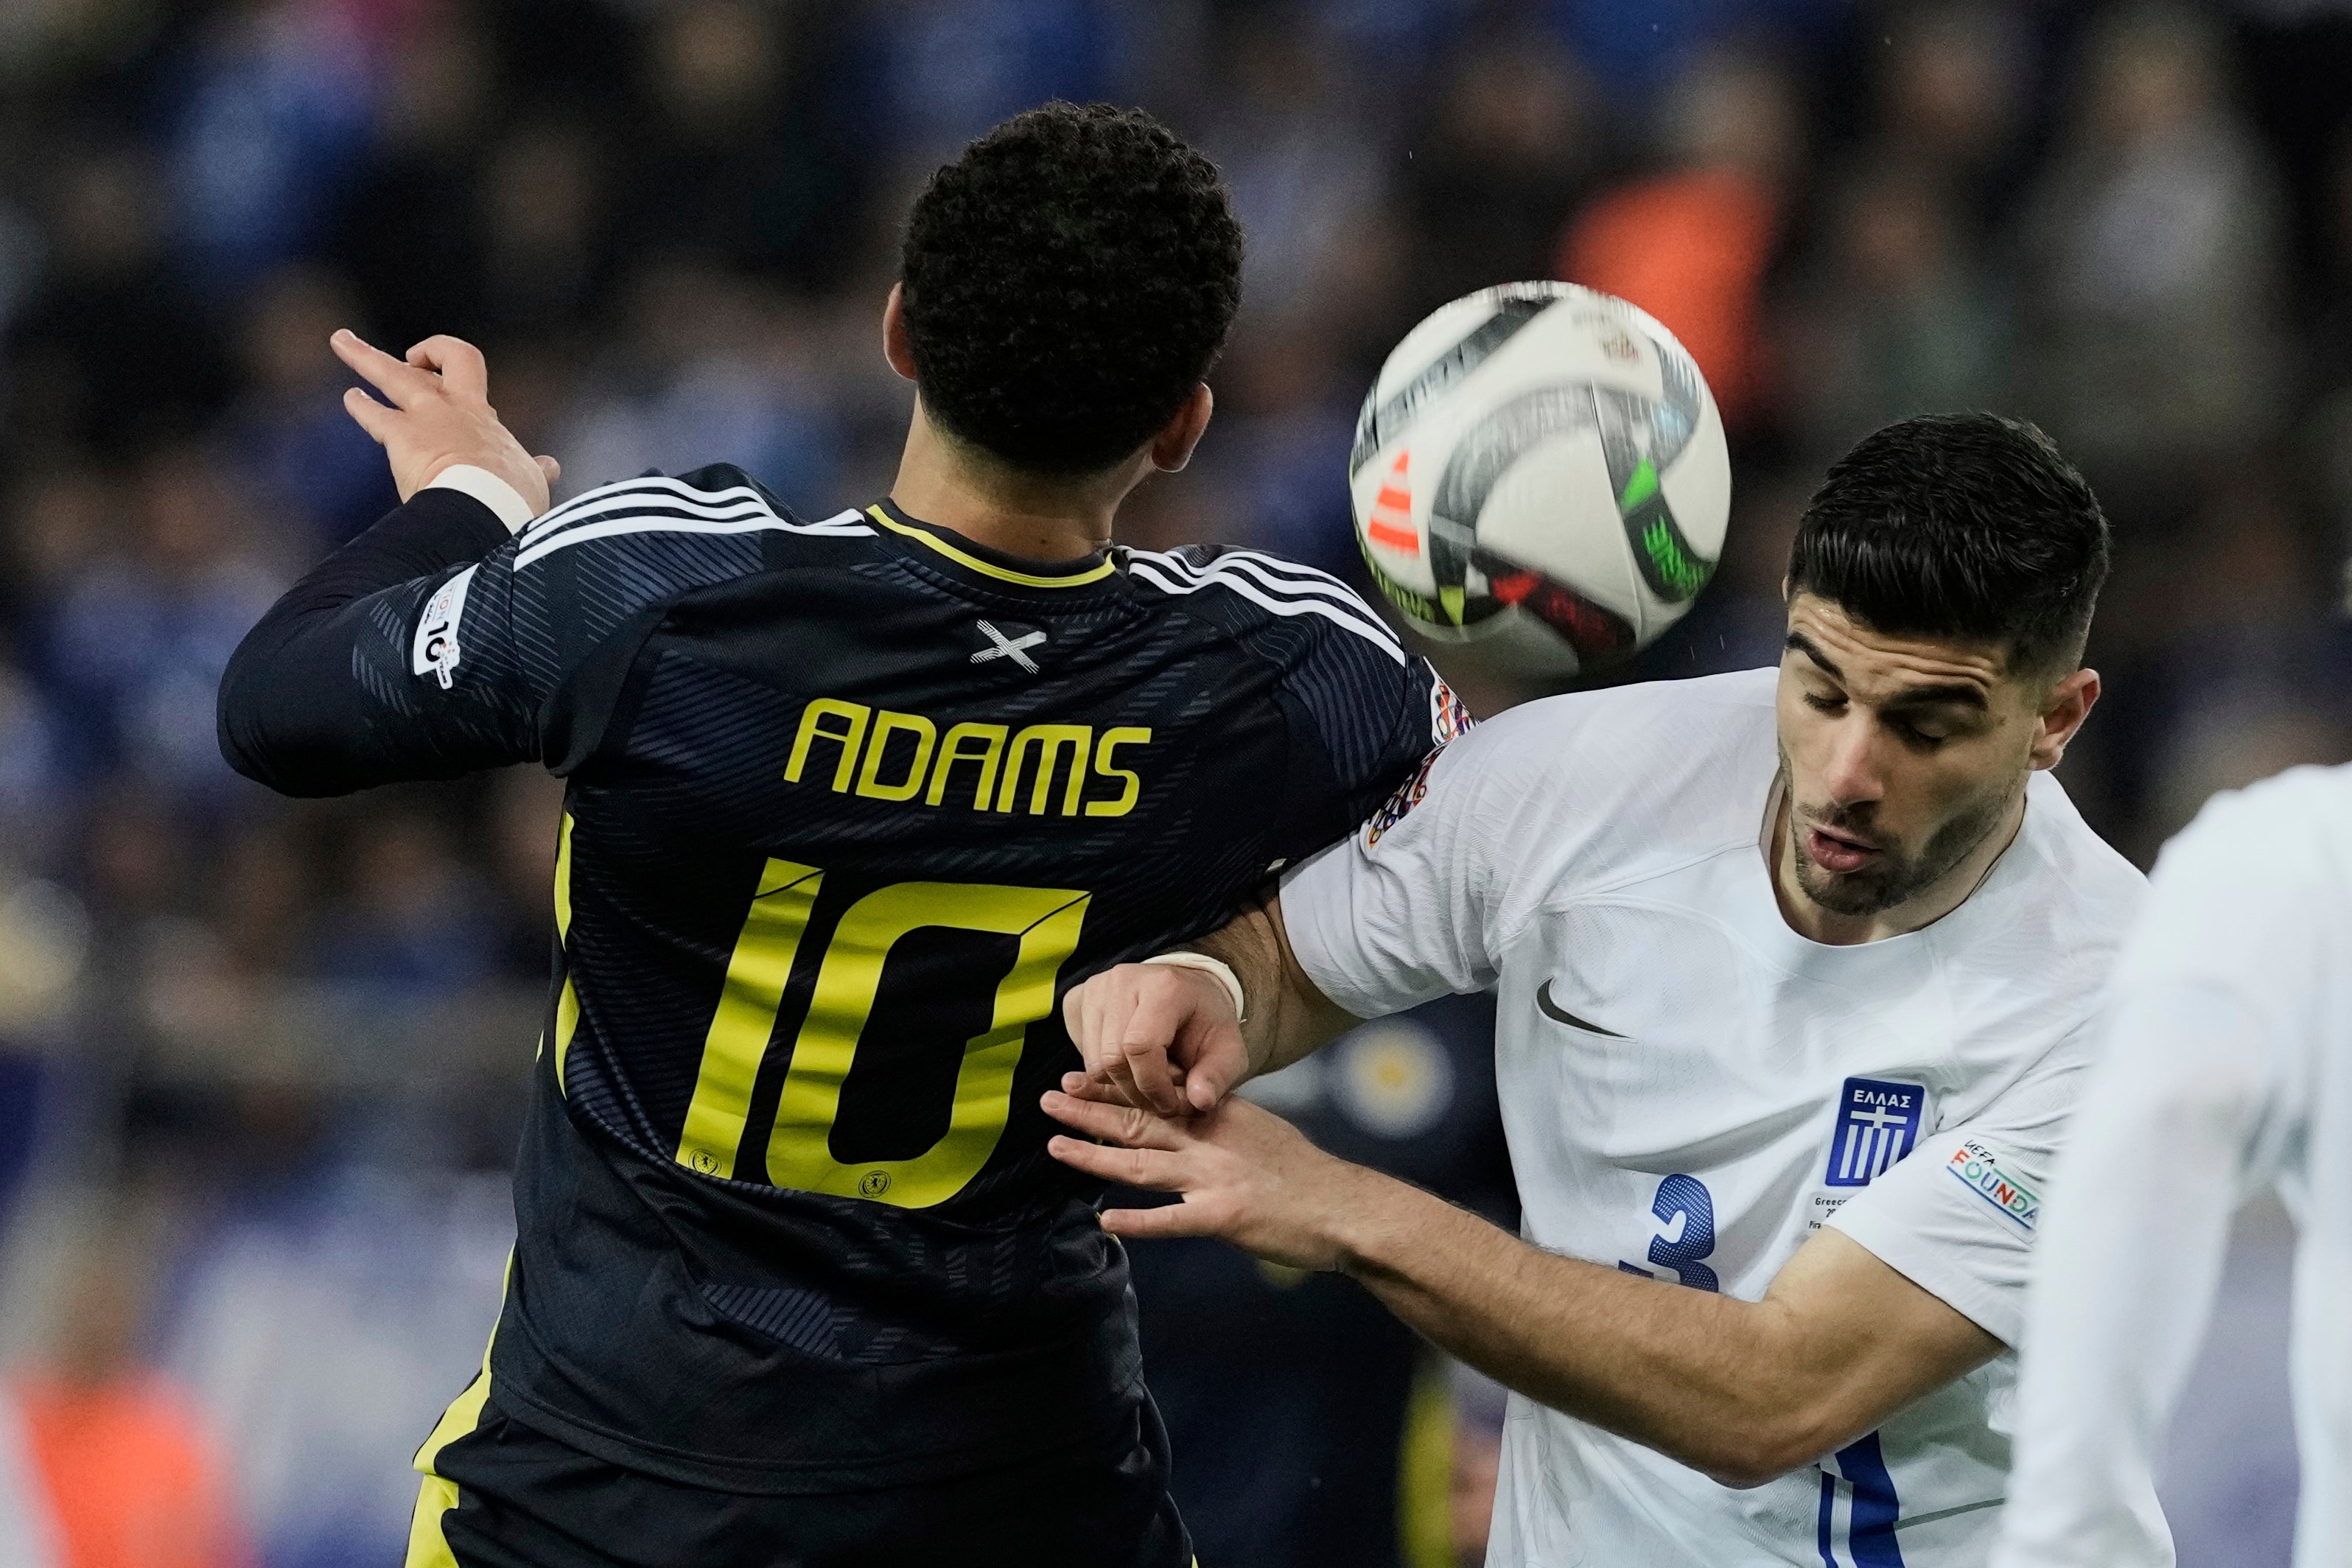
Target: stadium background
{"x": 260, "y": 1060}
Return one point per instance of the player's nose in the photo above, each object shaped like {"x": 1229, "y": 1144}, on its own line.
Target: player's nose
{"x": 1853, "y": 773}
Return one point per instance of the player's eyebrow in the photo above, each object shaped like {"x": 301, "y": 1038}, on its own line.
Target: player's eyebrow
{"x": 1967, "y": 696}
{"x": 1805, "y": 644}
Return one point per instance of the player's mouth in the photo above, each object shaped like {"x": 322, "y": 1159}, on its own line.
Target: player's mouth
{"x": 1837, "y": 851}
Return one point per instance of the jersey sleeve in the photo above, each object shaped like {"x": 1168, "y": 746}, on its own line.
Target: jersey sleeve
{"x": 370, "y": 671}
{"x": 1958, "y": 1216}
{"x": 2202, "y": 1089}
{"x": 1405, "y": 908}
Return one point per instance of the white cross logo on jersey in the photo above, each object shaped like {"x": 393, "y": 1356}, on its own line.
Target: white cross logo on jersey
{"x": 1877, "y": 1124}
{"x": 1867, "y": 1141}
{"x": 1008, "y": 647}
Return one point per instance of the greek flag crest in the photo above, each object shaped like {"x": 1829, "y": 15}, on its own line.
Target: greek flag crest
{"x": 1877, "y": 1124}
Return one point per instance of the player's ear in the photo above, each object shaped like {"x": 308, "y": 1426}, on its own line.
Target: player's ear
{"x": 2062, "y": 713}
{"x": 895, "y": 346}
{"x": 1172, "y": 447}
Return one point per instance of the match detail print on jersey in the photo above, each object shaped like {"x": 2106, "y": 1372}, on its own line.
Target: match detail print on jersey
{"x": 850, "y": 977}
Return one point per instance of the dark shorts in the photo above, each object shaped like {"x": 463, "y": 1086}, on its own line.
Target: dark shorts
{"x": 525, "y": 1500}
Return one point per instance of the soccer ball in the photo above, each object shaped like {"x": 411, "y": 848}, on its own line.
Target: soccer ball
{"x": 1541, "y": 466}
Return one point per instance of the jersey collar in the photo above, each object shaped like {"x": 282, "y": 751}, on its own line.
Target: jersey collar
{"x": 974, "y": 556}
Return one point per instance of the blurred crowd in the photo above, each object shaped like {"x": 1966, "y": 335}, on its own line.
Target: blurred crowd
{"x": 260, "y": 1060}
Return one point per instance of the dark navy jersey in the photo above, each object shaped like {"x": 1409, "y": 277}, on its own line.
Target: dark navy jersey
{"x": 851, "y": 803}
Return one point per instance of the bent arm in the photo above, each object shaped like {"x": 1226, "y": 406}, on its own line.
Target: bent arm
{"x": 316, "y": 701}
{"x": 1166, "y": 1038}
{"x": 1289, "y": 1016}
{"x": 1743, "y": 1391}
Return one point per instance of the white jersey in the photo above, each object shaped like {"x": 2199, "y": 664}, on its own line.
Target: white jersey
{"x": 2227, "y": 1067}
{"x": 1691, "y": 1089}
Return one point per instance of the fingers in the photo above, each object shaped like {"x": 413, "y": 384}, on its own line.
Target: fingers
{"x": 401, "y": 383}
{"x": 1120, "y": 1123}
{"x": 1218, "y": 1059}
{"x": 1142, "y": 1062}
{"x": 551, "y": 469}
{"x": 368, "y": 414}
{"x": 1153, "y": 1170}
{"x": 1121, "y": 1021}
{"x": 459, "y": 362}
{"x": 1087, "y": 1086}
{"x": 1169, "y": 1219}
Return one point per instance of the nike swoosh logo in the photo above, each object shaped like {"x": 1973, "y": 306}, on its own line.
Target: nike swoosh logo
{"x": 1559, "y": 1015}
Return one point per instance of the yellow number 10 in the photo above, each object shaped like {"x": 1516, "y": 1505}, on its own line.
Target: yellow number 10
{"x": 800, "y": 1151}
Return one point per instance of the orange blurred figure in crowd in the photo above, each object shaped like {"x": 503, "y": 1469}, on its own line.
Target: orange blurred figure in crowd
{"x": 112, "y": 1453}
{"x": 1691, "y": 246}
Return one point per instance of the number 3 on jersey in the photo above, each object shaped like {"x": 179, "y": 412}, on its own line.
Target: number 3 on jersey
{"x": 1047, "y": 920}
{"x": 1685, "y": 1196}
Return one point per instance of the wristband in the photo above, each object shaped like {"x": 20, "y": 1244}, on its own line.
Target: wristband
{"x": 1216, "y": 969}
{"x": 503, "y": 499}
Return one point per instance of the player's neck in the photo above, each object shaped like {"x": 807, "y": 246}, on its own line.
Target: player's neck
{"x": 1925, "y": 907}
{"x": 948, "y": 486}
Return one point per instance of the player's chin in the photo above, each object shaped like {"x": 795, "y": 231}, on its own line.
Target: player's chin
{"x": 1865, "y": 890}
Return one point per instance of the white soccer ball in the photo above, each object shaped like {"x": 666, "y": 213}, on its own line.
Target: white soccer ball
{"x": 1541, "y": 465}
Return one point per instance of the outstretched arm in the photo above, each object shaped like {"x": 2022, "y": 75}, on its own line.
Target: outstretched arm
{"x": 1166, "y": 1038}
{"x": 1742, "y": 1391}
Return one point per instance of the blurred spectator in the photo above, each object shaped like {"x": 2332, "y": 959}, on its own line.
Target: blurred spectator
{"x": 1896, "y": 318}
{"x": 412, "y": 926}
{"x": 1298, "y": 155}
{"x": 2151, "y": 285}
{"x": 272, "y": 118}
{"x": 1284, "y": 408}
{"x": 1634, "y": 46}
{"x": 1502, "y": 158}
{"x": 112, "y": 349}
{"x": 134, "y": 648}
{"x": 543, "y": 202}
{"x": 411, "y": 232}
{"x": 1691, "y": 244}
{"x": 705, "y": 375}
{"x": 933, "y": 74}
{"x": 303, "y": 459}
{"x": 33, "y": 771}
{"x": 736, "y": 162}
{"x": 322, "y": 1327}
{"x": 2327, "y": 435}
{"x": 1951, "y": 101}
{"x": 116, "y": 1459}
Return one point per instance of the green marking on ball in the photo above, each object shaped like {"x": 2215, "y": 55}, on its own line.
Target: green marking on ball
{"x": 1641, "y": 486}
{"x": 1682, "y": 571}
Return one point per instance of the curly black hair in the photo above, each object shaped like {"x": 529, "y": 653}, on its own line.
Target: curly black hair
{"x": 1068, "y": 279}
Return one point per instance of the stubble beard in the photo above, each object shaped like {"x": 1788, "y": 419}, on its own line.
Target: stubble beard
{"x": 1894, "y": 877}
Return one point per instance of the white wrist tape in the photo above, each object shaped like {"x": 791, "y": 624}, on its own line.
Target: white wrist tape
{"x": 485, "y": 486}
{"x": 1216, "y": 968}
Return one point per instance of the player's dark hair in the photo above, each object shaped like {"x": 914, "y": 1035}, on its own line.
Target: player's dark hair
{"x": 1069, "y": 279}
{"x": 1959, "y": 525}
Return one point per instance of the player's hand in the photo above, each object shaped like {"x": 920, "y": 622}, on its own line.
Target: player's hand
{"x": 1245, "y": 1173}
{"x": 440, "y": 416}
{"x": 1156, "y": 1037}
